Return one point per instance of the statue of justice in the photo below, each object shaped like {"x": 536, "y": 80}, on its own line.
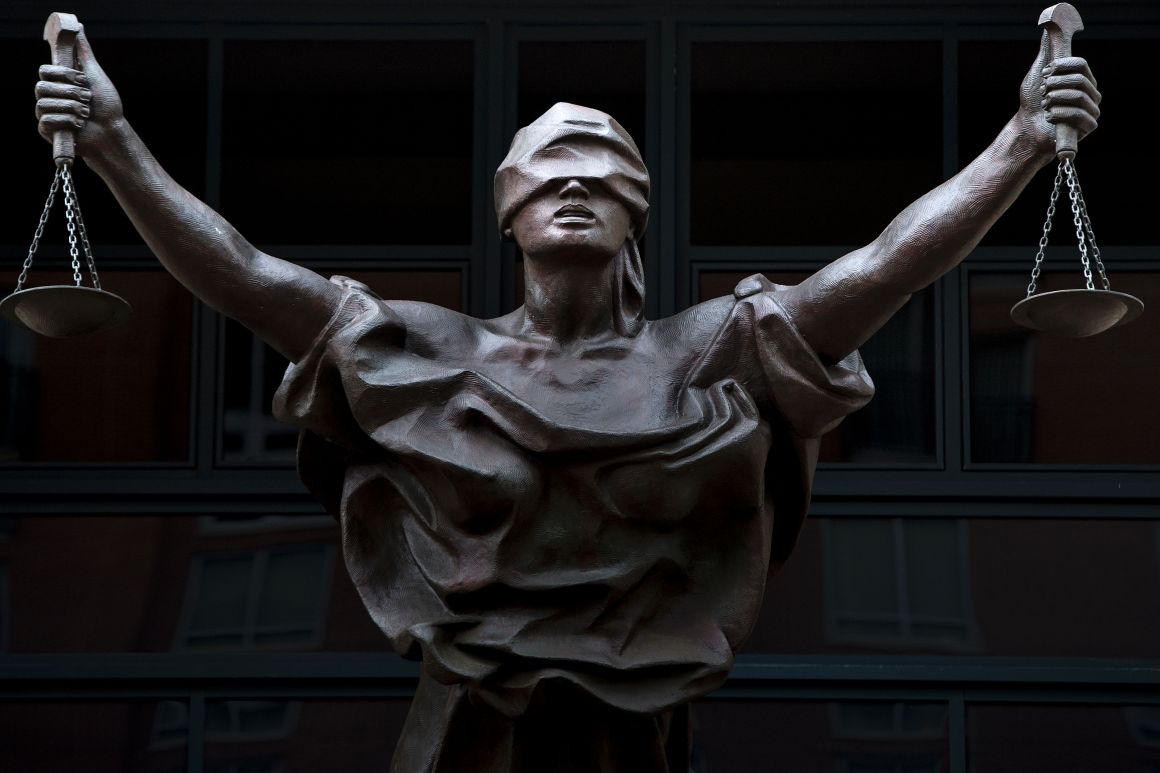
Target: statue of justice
{"x": 567, "y": 513}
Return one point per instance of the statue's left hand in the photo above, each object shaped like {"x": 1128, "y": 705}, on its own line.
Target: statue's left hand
{"x": 1061, "y": 91}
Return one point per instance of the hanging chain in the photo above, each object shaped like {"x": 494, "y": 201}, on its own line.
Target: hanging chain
{"x": 88, "y": 249}
{"x": 1080, "y": 235}
{"x": 70, "y": 215}
{"x": 1087, "y": 226}
{"x": 1035, "y": 270}
{"x": 1085, "y": 235}
{"x": 32, "y": 248}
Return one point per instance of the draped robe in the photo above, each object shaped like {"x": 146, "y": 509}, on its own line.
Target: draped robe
{"x": 594, "y": 525}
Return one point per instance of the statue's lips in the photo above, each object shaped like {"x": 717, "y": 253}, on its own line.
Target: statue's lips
{"x": 575, "y": 213}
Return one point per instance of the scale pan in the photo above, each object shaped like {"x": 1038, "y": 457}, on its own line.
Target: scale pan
{"x": 61, "y": 311}
{"x": 1076, "y": 313}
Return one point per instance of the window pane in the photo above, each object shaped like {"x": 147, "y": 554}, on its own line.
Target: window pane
{"x": 356, "y": 735}
{"x": 788, "y": 139}
{"x": 862, "y": 555}
{"x": 253, "y": 371}
{"x": 933, "y": 570}
{"x": 605, "y": 75}
{"x": 899, "y": 424}
{"x": 1038, "y": 398}
{"x": 1013, "y": 737}
{"x": 96, "y": 737}
{"x": 221, "y": 597}
{"x": 350, "y": 142}
{"x": 132, "y": 65}
{"x": 819, "y": 736}
{"x": 1109, "y": 162}
{"x": 121, "y": 395}
{"x": 1027, "y": 588}
{"x": 291, "y": 595}
{"x": 155, "y": 584}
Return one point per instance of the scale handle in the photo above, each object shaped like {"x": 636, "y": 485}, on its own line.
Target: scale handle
{"x": 61, "y": 33}
{"x": 1060, "y": 22}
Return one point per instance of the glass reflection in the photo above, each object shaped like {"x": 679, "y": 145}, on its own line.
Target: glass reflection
{"x": 1109, "y": 167}
{"x": 942, "y": 586}
{"x": 118, "y": 396}
{"x": 898, "y": 426}
{"x": 612, "y": 79}
{"x": 773, "y": 159}
{"x": 154, "y": 584}
{"x": 1019, "y": 737}
{"x": 403, "y": 176}
{"x": 132, "y": 65}
{"x": 862, "y": 737}
{"x": 932, "y": 586}
{"x": 253, "y": 370}
{"x": 285, "y": 736}
{"x": 1037, "y": 398}
{"x": 93, "y": 736}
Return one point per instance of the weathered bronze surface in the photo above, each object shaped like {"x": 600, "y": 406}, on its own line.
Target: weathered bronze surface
{"x": 567, "y": 513}
{"x": 62, "y": 311}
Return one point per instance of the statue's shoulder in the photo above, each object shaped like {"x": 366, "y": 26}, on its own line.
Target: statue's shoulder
{"x": 695, "y": 325}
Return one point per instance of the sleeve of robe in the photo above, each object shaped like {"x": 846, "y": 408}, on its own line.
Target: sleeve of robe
{"x": 315, "y": 396}
{"x": 800, "y": 396}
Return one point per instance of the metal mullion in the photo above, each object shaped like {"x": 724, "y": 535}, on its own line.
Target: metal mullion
{"x": 816, "y": 254}
{"x": 474, "y": 290}
{"x": 1139, "y": 257}
{"x": 761, "y": 32}
{"x": 354, "y": 31}
{"x": 493, "y": 255}
{"x": 949, "y": 367}
{"x": 1064, "y": 694}
{"x": 653, "y": 100}
{"x": 1025, "y": 33}
{"x": 208, "y": 384}
{"x": 670, "y": 212}
{"x": 683, "y": 148}
{"x": 520, "y": 31}
{"x": 756, "y": 691}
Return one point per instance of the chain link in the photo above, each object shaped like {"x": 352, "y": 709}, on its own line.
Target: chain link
{"x": 1091, "y": 234}
{"x": 32, "y": 248}
{"x": 70, "y": 216}
{"x": 1080, "y": 236}
{"x": 1035, "y": 270}
{"x": 88, "y": 249}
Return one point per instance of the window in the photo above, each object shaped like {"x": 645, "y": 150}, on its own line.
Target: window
{"x": 898, "y": 582}
{"x": 870, "y": 720}
{"x": 170, "y": 723}
{"x": 243, "y": 721}
{"x": 266, "y": 598}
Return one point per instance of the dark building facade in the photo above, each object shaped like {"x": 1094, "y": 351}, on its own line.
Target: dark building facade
{"x": 978, "y": 586}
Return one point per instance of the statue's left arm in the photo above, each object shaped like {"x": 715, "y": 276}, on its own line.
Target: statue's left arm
{"x": 843, "y": 304}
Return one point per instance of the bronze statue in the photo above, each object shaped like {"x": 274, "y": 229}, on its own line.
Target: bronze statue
{"x": 567, "y": 513}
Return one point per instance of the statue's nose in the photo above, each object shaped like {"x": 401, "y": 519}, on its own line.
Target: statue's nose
{"x": 574, "y": 189}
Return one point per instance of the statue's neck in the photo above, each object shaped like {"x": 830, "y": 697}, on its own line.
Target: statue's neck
{"x": 568, "y": 300}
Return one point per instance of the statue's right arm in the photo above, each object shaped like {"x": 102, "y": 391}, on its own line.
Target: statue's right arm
{"x": 284, "y": 304}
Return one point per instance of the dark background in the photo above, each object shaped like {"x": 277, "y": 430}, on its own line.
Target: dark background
{"x": 979, "y": 585}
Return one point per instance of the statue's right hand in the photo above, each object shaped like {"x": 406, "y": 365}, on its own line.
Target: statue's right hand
{"x": 82, "y": 100}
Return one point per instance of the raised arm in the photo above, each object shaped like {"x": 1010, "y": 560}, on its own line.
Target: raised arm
{"x": 284, "y": 304}
{"x": 843, "y": 304}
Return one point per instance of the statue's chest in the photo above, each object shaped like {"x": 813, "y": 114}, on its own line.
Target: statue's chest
{"x": 616, "y": 390}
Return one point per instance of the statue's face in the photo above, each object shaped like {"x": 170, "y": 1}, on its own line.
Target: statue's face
{"x": 575, "y": 218}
